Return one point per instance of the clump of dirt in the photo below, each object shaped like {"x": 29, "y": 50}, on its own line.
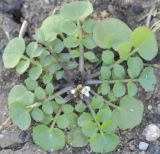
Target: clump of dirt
{"x": 132, "y": 12}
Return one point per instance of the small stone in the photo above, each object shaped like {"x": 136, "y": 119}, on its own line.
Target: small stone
{"x": 152, "y": 132}
{"x": 143, "y": 146}
{"x": 149, "y": 107}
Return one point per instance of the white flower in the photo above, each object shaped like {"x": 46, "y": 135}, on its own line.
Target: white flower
{"x": 73, "y": 91}
{"x": 85, "y": 91}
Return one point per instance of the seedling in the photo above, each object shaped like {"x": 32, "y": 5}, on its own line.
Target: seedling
{"x": 81, "y": 79}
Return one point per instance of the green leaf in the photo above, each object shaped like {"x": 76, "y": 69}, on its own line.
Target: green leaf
{"x": 76, "y": 138}
{"x": 132, "y": 88}
{"x": 145, "y": 41}
{"x": 84, "y": 119}
{"x": 90, "y": 56}
{"x": 76, "y": 10}
{"x": 88, "y": 25}
{"x": 105, "y": 73}
{"x": 104, "y": 114}
{"x": 108, "y": 57}
{"x": 53, "y": 68}
{"x": 90, "y": 129}
{"x": 27, "y": 98}
{"x": 118, "y": 71}
{"x": 13, "y": 52}
{"x": 47, "y": 78}
{"x": 62, "y": 121}
{"x": 68, "y": 27}
{"x": 50, "y": 139}
{"x": 22, "y": 66}
{"x": 124, "y": 50}
{"x": 74, "y": 53}
{"x": 89, "y": 43}
{"x": 16, "y": 93}
{"x": 64, "y": 57}
{"x": 37, "y": 115}
{"x": 67, "y": 108}
{"x": 47, "y": 107}
{"x": 31, "y": 49}
{"x": 71, "y": 42}
{"x": 39, "y": 36}
{"x": 135, "y": 65}
{"x": 112, "y": 97}
{"x": 57, "y": 46}
{"x": 104, "y": 88}
{"x": 72, "y": 118}
{"x": 35, "y": 72}
{"x": 108, "y": 33}
{"x": 59, "y": 75}
{"x": 59, "y": 100}
{"x": 47, "y": 118}
{"x": 119, "y": 89}
{"x": 49, "y": 89}
{"x": 20, "y": 115}
{"x": 51, "y": 27}
{"x": 80, "y": 107}
{"x": 148, "y": 79}
{"x": 40, "y": 93}
{"x": 72, "y": 65}
{"x": 104, "y": 143}
{"x": 109, "y": 126}
{"x": 130, "y": 113}
{"x": 97, "y": 102}
{"x": 31, "y": 84}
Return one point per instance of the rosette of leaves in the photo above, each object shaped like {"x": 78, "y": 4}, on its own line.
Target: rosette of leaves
{"x": 65, "y": 47}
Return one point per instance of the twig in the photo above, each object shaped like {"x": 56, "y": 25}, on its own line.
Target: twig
{"x": 153, "y": 65}
{"x": 5, "y": 124}
{"x": 23, "y": 28}
{"x": 153, "y": 3}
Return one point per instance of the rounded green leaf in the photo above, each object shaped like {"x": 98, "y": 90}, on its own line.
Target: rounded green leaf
{"x": 76, "y": 10}
{"x": 108, "y": 57}
{"x": 47, "y": 78}
{"x": 104, "y": 143}
{"x": 51, "y": 27}
{"x": 62, "y": 121}
{"x": 49, "y": 89}
{"x": 145, "y": 41}
{"x": 104, "y": 88}
{"x": 47, "y": 118}
{"x": 74, "y": 53}
{"x": 47, "y": 107}
{"x": 67, "y": 108}
{"x": 109, "y": 126}
{"x": 40, "y": 93}
{"x": 31, "y": 84}
{"x": 31, "y": 49}
{"x": 118, "y": 71}
{"x": 72, "y": 118}
{"x": 135, "y": 65}
{"x": 119, "y": 89}
{"x": 37, "y": 115}
{"x": 35, "y": 72}
{"x": 71, "y": 42}
{"x": 88, "y": 25}
{"x": 112, "y": 97}
{"x": 20, "y": 115}
{"x": 76, "y": 138}
{"x": 105, "y": 73}
{"x": 97, "y": 102}
{"x": 132, "y": 88}
{"x": 27, "y": 98}
{"x": 104, "y": 114}
{"x": 148, "y": 79}
{"x": 84, "y": 119}
{"x": 90, "y": 56}
{"x": 110, "y": 33}
{"x": 130, "y": 113}
{"x": 16, "y": 93}
{"x": 68, "y": 27}
{"x": 22, "y": 66}
{"x": 80, "y": 107}
{"x": 90, "y": 129}
{"x": 59, "y": 100}
{"x": 57, "y": 46}
{"x": 59, "y": 75}
{"x": 13, "y": 52}
{"x": 50, "y": 139}
{"x": 89, "y": 43}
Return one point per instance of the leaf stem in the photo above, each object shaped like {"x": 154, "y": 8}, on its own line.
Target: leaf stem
{"x": 93, "y": 114}
{"x": 106, "y": 101}
{"x": 92, "y": 82}
{"x": 37, "y": 104}
{"x": 81, "y": 48}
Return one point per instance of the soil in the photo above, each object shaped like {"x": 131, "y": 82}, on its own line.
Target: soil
{"x": 133, "y": 12}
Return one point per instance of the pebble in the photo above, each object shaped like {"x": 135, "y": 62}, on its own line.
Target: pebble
{"x": 149, "y": 107}
{"x": 152, "y": 132}
{"x": 143, "y": 146}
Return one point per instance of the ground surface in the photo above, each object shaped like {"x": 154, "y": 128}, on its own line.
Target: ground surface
{"x": 134, "y": 13}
